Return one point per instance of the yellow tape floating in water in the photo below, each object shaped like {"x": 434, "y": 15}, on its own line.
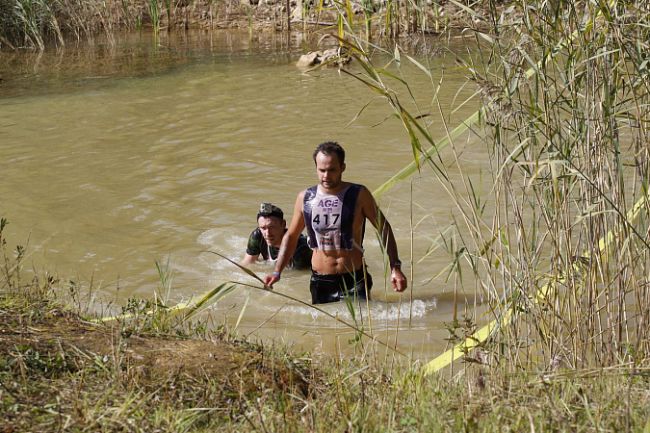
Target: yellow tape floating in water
{"x": 484, "y": 333}
{"x": 176, "y": 308}
{"x": 194, "y": 303}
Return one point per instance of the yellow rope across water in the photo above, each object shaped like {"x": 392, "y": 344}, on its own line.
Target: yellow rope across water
{"x": 484, "y": 333}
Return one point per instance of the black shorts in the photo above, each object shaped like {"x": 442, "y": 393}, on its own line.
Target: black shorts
{"x": 334, "y": 287}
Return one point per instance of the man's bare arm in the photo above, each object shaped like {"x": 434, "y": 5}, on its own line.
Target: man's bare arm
{"x": 289, "y": 242}
{"x": 248, "y": 259}
{"x": 387, "y": 238}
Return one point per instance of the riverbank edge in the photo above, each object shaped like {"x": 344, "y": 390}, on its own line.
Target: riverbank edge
{"x": 62, "y": 372}
{"x": 38, "y": 24}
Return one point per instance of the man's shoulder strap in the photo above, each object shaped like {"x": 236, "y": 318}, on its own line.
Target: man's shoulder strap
{"x": 354, "y": 189}
{"x": 347, "y": 219}
{"x": 310, "y": 193}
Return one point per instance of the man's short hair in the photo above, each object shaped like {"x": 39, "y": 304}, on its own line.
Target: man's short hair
{"x": 329, "y": 148}
{"x": 270, "y": 210}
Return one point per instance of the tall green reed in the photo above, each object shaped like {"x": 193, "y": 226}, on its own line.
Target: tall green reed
{"x": 368, "y": 12}
{"x": 168, "y": 10}
{"x": 154, "y": 14}
{"x": 35, "y": 23}
{"x": 568, "y": 157}
{"x": 566, "y": 136}
{"x": 36, "y": 20}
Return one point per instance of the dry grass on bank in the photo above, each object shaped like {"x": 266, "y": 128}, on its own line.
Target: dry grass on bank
{"x": 62, "y": 372}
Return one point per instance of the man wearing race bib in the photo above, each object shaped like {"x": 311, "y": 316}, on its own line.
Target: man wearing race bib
{"x": 334, "y": 213}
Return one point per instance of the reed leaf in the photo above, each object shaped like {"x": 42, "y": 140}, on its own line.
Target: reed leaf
{"x": 242, "y": 311}
{"x": 349, "y": 14}
{"x": 243, "y": 268}
{"x": 465, "y": 8}
{"x": 420, "y": 66}
{"x": 416, "y": 147}
{"x": 371, "y": 85}
{"x": 195, "y": 304}
{"x": 412, "y": 167}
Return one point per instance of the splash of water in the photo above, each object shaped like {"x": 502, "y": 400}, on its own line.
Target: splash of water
{"x": 379, "y": 310}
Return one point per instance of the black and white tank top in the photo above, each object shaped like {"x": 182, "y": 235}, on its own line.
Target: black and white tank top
{"x": 329, "y": 218}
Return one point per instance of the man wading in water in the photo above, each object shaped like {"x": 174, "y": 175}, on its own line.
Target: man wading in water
{"x": 334, "y": 213}
{"x": 265, "y": 240}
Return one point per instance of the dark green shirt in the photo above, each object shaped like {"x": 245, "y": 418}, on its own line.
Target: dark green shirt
{"x": 257, "y": 245}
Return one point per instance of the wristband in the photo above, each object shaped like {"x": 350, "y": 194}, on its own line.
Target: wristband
{"x": 276, "y": 274}
{"x": 396, "y": 265}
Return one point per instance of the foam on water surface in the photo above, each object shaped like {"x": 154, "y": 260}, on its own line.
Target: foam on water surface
{"x": 378, "y": 310}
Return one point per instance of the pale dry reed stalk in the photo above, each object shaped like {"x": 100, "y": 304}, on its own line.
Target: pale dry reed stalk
{"x": 569, "y": 153}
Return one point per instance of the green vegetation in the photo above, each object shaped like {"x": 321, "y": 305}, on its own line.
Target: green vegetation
{"x": 557, "y": 249}
{"x": 37, "y": 23}
{"x": 61, "y": 372}
{"x": 558, "y": 245}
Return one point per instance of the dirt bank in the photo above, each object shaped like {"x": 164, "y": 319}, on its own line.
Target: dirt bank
{"x": 53, "y": 360}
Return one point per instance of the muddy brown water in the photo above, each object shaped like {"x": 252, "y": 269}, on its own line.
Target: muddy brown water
{"x": 115, "y": 156}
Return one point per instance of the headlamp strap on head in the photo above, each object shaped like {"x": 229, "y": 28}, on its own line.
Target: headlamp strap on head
{"x": 269, "y": 209}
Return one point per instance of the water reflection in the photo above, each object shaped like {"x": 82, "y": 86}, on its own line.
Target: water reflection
{"x": 92, "y": 64}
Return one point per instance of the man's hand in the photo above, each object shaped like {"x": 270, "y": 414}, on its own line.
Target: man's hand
{"x": 398, "y": 279}
{"x": 271, "y": 279}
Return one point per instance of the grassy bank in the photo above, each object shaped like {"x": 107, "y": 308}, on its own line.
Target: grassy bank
{"x": 59, "y": 371}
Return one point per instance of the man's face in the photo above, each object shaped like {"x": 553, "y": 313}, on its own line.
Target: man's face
{"x": 272, "y": 229}
{"x": 329, "y": 170}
